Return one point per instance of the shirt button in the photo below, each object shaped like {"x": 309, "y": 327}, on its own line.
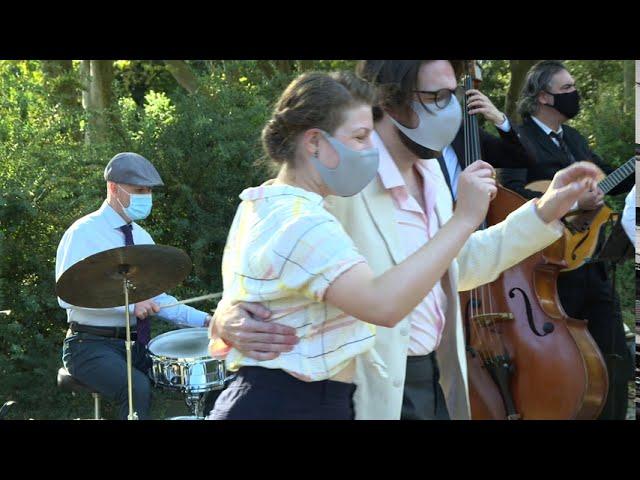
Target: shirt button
{"x": 404, "y": 331}
{"x": 397, "y": 383}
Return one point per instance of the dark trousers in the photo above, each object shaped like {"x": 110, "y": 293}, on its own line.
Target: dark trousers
{"x": 101, "y": 364}
{"x": 269, "y": 394}
{"x": 587, "y": 293}
{"x": 423, "y": 397}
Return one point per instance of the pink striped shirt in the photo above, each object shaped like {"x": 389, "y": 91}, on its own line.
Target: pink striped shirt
{"x": 415, "y": 228}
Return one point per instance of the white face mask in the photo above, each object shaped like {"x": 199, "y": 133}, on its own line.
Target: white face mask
{"x": 436, "y": 128}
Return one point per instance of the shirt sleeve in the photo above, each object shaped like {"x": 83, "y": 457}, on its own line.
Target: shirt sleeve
{"x": 504, "y": 126}
{"x": 629, "y": 215}
{"x": 180, "y": 314}
{"x": 318, "y": 253}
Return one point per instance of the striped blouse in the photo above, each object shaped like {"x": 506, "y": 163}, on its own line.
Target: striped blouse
{"x": 284, "y": 250}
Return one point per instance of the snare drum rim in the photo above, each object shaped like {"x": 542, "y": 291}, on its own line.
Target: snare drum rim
{"x": 181, "y": 359}
{"x": 165, "y": 357}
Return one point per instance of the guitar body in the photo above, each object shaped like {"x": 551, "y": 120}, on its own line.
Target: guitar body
{"x": 580, "y": 245}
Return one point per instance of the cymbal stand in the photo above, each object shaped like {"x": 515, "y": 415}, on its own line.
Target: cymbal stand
{"x": 126, "y": 283}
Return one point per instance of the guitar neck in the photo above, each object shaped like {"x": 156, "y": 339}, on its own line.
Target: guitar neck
{"x": 617, "y": 176}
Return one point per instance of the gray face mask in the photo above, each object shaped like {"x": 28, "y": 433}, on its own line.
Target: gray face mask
{"x": 355, "y": 169}
{"x": 436, "y": 129}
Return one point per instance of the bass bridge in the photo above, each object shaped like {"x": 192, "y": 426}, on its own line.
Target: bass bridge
{"x": 489, "y": 319}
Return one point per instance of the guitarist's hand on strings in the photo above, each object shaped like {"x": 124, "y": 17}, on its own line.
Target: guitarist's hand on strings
{"x": 591, "y": 199}
{"x": 567, "y": 186}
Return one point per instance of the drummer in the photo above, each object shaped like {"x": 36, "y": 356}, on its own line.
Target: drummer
{"x": 94, "y": 349}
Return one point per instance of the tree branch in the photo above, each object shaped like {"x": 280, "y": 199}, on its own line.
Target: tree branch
{"x": 183, "y": 75}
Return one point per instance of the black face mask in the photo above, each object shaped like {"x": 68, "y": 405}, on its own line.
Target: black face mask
{"x": 567, "y": 104}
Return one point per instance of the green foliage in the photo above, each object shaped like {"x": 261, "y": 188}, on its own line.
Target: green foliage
{"x": 626, "y": 288}
{"x": 495, "y": 80}
{"x": 609, "y": 129}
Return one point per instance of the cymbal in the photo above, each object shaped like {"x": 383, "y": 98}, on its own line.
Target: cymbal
{"x": 97, "y": 281}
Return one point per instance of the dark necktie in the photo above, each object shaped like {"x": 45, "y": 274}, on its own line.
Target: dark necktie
{"x": 445, "y": 173}
{"x": 143, "y": 326}
{"x": 563, "y": 146}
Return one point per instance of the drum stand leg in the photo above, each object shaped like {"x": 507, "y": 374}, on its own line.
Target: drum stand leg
{"x": 96, "y": 405}
{"x": 124, "y": 269}
{"x": 195, "y": 402}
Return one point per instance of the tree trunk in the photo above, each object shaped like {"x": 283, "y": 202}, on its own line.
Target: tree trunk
{"x": 183, "y": 75}
{"x": 519, "y": 69}
{"x": 85, "y": 69}
{"x": 629, "y": 85}
{"x": 96, "y": 77}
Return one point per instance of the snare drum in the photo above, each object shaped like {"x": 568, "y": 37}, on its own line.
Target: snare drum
{"x": 181, "y": 362}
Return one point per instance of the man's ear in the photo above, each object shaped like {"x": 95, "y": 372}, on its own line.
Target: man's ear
{"x": 545, "y": 98}
{"x": 401, "y": 114}
{"x": 390, "y": 112}
{"x": 113, "y": 188}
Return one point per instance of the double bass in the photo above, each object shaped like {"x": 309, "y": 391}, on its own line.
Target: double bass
{"x": 526, "y": 358}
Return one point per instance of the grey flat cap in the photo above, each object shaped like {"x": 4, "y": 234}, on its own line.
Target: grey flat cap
{"x": 134, "y": 169}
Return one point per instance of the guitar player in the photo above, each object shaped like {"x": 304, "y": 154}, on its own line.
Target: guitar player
{"x": 549, "y": 99}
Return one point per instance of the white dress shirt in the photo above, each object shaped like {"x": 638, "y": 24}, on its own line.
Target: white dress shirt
{"x": 97, "y": 232}
{"x": 629, "y": 215}
{"x": 453, "y": 165}
{"x": 548, "y": 130}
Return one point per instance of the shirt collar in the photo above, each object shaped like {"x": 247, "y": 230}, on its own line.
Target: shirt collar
{"x": 268, "y": 191}
{"x": 113, "y": 218}
{"x": 388, "y": 169}
{"x": 545, "y": 128}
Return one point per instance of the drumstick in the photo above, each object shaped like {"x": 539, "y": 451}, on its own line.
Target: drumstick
{"x": 192, "y": 300}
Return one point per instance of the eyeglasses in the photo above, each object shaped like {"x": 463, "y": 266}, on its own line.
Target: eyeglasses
{"x": 440, "y": 97}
